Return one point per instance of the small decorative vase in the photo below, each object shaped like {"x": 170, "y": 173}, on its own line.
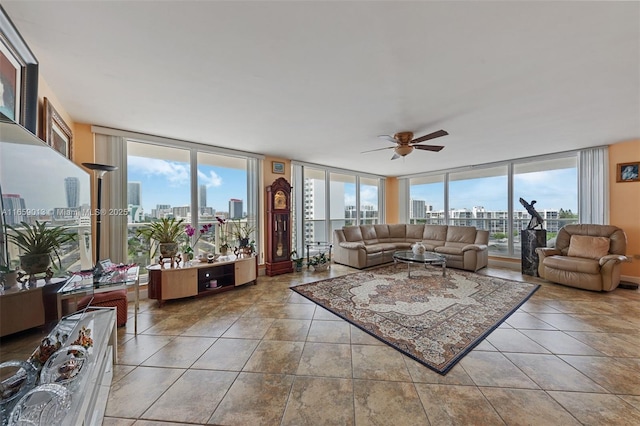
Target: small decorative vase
{"x": 418, "y": 248}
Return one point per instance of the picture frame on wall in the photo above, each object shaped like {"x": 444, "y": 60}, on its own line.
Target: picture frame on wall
{"x": 56, "y": 133}
{"x": 277, "y": 167}
{"x": 18, "y": 76}
{"x": 627, "y": 172}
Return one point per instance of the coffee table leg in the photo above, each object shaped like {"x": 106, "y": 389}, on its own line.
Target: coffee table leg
{"x": 444, "y": 269}
{"x": 409, "y": 269}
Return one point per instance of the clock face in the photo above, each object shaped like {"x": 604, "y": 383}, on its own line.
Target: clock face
{"x": 279, "y": 200}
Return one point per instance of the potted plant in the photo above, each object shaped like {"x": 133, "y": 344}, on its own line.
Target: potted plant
{"x": 320, "y": 262}
{"x": 39, "y": 244}
{"x": 297, "y": 261}
{"x": 242, "y": 232}
{"x": 166, "y": 232}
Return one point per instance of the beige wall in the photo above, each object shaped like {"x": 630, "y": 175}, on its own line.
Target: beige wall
{"x": 624, "y": 203}
{"x": 392, "y": 196}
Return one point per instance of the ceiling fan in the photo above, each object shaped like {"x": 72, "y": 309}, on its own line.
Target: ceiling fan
{"x": 405, "y": 143}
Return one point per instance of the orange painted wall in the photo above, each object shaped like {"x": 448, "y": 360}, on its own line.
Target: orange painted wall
{"x": 624, "y": 203}
{"x": 392, "y": 195}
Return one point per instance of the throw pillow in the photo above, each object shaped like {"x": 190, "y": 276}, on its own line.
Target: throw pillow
{"x": 588, "y": 247}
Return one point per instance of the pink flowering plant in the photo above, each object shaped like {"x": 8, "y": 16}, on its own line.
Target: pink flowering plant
{"x": 190, "y": 231}
{"x": 222, "y": 232}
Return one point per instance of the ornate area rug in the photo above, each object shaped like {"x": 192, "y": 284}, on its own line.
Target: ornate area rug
{"x": 433, "y": 319}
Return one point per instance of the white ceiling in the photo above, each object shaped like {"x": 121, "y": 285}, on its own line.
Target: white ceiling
{"x": 318, "y": 81}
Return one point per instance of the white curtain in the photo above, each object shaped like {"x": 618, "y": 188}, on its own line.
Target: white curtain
{"x": 593, "y": 185}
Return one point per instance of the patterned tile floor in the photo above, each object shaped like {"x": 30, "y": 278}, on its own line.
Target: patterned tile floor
{"x": 265, "y": 355}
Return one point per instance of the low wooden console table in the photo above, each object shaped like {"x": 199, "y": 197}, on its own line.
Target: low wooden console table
{"x": 201, "y": 278}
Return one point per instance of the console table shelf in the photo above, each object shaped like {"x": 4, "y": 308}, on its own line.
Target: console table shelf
{"x": 200, "y": 279}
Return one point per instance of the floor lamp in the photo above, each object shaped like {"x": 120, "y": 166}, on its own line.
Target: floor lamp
{"x": 101, "y": 169}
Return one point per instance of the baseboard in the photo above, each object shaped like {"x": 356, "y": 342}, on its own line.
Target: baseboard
{"x": 499, "y": 263}
{"x": 630, "y": 279}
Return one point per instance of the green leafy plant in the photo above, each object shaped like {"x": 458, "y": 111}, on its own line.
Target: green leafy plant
{"x": 163, "y": 230}
{"x": 318, "y": 259}
{"x": 40, "y": 239}
{"x": 242, "y": 231}
{"x": 298, "y": 260}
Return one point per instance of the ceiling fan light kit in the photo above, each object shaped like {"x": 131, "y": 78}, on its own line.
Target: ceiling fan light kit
{"x": 405, "y": 143}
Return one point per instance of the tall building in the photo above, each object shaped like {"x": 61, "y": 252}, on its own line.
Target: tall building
{"x": 235, "y": 208}
{"x": 417, "y": 209}
{"x": 14, "y": 209}
{"x": 202, "y": 198}
{"x": 72, "y": 191}
{"x": 161, "y": 210}
{"x": 134, "y": 195}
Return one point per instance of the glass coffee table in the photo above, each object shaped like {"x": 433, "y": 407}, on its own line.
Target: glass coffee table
{"x": 428, "y": 258}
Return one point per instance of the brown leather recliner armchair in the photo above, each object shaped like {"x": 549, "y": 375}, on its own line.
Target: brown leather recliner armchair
{"x": 585, "y": 256}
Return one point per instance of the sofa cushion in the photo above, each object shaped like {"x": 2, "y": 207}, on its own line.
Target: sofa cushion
{"x": 414, "y": 232}
{"x": 352, "y": 233}
{"x": 588, "y": 247}
{"x": 382, "y": 231}
{"x": 374, "y": 248}
{"x": 369, "y": 234}
{"x": 461, "y": 234}
{"x": 572, "y": 264}
{"x": 397, "y": 232}
{"x": 451, "y": 249}
{"x": 433, "y": 233}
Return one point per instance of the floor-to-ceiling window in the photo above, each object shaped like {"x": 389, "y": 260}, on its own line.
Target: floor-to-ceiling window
{"x": 158, "y": 186}
{"x": 191, "y": 182}
{"x": 426, "y": 200}
{"x": 480, "y": 196}
{"x": 553, "y": 185}
{"x": 369, "y": 200}
{"x": 328, "y": 199}
{"x": 342, "y": 201}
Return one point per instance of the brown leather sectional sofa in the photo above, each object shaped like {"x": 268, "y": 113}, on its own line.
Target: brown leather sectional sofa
{"x": 363, "y": 246}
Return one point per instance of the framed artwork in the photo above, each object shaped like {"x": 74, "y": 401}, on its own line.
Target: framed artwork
{"x": 57, "y": 134}
{"x": 18, "y": 77}
{"x": 627, "y": 172}
{"x": 277, "y": 167}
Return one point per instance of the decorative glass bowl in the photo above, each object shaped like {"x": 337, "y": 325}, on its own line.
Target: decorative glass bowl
{"x": 45, "y": 405}
{"x": 16, "y": 379}
{"x": 65, "y": 367}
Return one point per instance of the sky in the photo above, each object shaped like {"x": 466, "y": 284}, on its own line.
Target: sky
{"x": 168, "y": 182}
{"x": 552, "y": 189}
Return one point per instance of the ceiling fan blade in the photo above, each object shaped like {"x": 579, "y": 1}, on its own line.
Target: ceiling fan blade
{"x": 434, "y": 148}
{"x": 395, "y": 156}
{"x": 433, "y": 135}
{"x": 379, "y": 149}
{"x": 388, "y": 138}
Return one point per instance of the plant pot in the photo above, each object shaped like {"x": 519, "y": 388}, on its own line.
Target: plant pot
{"x": 35, "y": 263}
{"x": 223, "y": 251}
{"x": 168, "y": 249}
{"x": 8, "y": 279}
{"x": 297, "y": 267}
{"x": 321, "y": 267}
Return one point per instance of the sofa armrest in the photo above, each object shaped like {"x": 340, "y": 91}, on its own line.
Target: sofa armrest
{"x": 617, "y": 258}
{"x": 352, "y": 244}
{"x": 547, "y": 251}
{"x": 338, "y": 236}
{"x": 476, "y": 247}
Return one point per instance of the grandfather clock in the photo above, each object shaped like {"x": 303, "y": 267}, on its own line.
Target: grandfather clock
{"x": 279, "y": 228}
